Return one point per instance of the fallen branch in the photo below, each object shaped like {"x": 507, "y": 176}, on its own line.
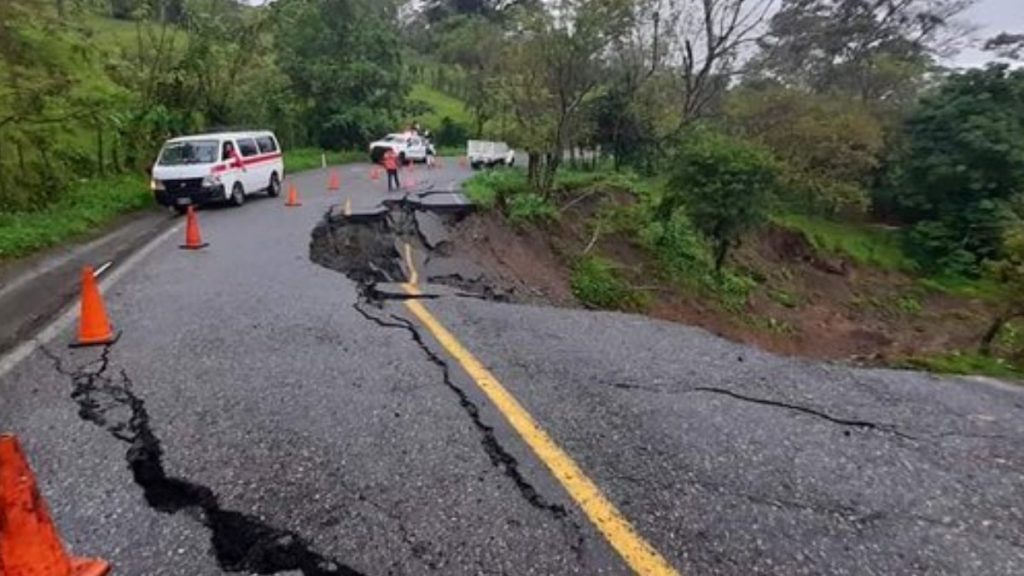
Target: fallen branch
{"x": 593, "y": 239}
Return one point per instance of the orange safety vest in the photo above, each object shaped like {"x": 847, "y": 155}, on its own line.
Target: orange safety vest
{"x": 390, "y": 162}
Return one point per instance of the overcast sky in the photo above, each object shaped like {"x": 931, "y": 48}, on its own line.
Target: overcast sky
{"x": 991, "y": 17}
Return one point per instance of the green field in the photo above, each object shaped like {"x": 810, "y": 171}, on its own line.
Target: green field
{"x": 441, "y": 105}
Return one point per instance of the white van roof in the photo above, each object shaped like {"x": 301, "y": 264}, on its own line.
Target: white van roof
{"x": 222, "y": 135}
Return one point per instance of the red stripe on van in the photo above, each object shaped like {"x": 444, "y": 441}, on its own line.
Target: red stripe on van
{"x": 220, "y": 168}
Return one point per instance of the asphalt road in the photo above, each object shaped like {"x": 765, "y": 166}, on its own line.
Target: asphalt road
{"x": 252, "y": 419}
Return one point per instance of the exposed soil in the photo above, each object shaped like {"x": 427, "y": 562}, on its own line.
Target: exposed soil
{"x": 806, "y": 303}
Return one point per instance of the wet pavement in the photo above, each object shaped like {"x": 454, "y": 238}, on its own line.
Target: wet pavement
{"x": 273, "y": 408}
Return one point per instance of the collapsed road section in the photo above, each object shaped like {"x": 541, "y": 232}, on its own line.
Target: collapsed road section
{"x": 382, "y": 246}
{"x": 400, "y": 242}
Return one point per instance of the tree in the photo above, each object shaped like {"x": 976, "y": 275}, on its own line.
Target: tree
{"x": 554, "y": 62}
{"x": 874, "y": 50}
{"x": 963, "y": 164}
{"x": 342, "y": 58}
{"x": 1008, "y": 272}
{"x": 831, "y": 146}
{"x": 724, "y": 185}
{"x": 1006, "y": 45}
{"x": 710, "y": 37}
{"x": 475, "y": 46}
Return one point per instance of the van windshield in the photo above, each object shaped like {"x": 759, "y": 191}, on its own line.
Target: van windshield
{"x": 189, "y": 152}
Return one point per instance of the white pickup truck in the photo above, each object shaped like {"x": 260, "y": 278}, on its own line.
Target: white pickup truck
{"x": 486, "y": 153}
{"x": 409, "y": 147}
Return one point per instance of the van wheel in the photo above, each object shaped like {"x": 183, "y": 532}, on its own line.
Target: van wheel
{"x": 401, "y": 159}
{"x": 180, "y": 210}
{"x": 237, "y": 194}
{"x": 274, "y": 189}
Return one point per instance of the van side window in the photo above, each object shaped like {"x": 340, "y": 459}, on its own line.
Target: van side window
{"x": 247, "y": 146}
{"x": 266, "y": 144}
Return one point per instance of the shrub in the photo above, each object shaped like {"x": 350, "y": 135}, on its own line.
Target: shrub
{"x": 724, "y": 185}
{"x": 530, "y": 206}
{"x": 451, "y": 134}
{"x": 962, "y": 165}
{"x": 596, "y": 283}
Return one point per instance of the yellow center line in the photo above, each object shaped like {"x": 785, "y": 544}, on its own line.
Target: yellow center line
{"x": 637, "y": 552}
{"x": 414, "y": 276}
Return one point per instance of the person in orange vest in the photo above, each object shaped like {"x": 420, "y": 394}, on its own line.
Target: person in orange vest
{"x": 391, "y": 165}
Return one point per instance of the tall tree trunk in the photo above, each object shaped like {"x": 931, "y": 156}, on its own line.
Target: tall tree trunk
{"x": 985, "y": 348}
{"x": 721, "y": 251}
{"x": 533, "y": 169}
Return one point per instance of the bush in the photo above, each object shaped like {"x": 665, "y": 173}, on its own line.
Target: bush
{"x": 493, "y": 187}
{"x": 724, "y": 185}
{"x": 685, "y": 259}
{"x": 451, "y": 134}
{"x": 596, "y": 283}
{"x": 831, "y": 145}
{"x": 962, "y": 165}
{"x": 530, "y": 206}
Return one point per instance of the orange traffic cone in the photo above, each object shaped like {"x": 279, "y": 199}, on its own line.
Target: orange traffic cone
{"x": 193, "y": 240}
{"x": 335, "y": 181}
{"x": 93, "y": 326}
{"x": 29, "y": 543}
{"x": 293, "y": 197}
{"x": 375, "y": 172}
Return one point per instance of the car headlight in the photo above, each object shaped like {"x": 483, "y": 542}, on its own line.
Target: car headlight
{"x": 211, "y": 181}
{"x": 156, "y": 185}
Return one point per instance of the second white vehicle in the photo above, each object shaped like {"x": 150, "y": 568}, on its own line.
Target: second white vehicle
{"x": 409, "y": 147}
{"x": 486, "y": 153}
{"x": 217, "y": 167}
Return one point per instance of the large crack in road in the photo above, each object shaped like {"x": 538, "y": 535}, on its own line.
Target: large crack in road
{"x": 241, "y": 542}
{"x": 367, "y": 250}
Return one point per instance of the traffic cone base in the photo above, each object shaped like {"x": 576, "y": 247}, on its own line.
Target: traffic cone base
{"x": 93, "y": 326}
{"x": 96, "y": 342}
{"x": 193, "y": 239}
{"x": 89, "y": 567}
{"x": 293, "y": 197}
{"x": 29, "y": 542}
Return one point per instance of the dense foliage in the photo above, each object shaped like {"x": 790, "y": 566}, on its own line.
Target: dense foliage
{"x": 86, "y": 95}
{"x": 961, "y": 178}
{"x": 724, "y": 185}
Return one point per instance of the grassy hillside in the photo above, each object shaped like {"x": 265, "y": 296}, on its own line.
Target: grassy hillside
{"x": 439, "y": 105}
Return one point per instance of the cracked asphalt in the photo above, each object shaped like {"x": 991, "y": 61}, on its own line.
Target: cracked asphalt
{"x": 259, "y": 416}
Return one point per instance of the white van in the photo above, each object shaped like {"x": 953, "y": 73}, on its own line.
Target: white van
{"x": 225, "y": 166}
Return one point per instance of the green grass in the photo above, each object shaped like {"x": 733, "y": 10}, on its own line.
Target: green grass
{"x": 300, "y": 159}
{"x": 531, "y": 207}
{"x": 85, "y": 207}
{"x": 596, "y": 282}
{"x": 484, "y": 188}
{"x": 440, "y": 105}
{"x": 966, "y": 363}
{"x": 980, "y": 288}
{"x": 865, "y": 245}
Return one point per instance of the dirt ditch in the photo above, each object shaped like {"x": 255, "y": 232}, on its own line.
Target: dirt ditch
{"x": 806, "y": 303}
